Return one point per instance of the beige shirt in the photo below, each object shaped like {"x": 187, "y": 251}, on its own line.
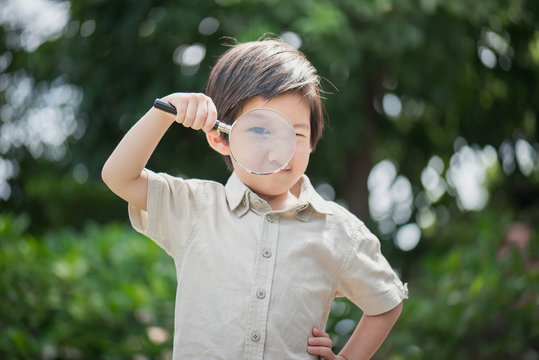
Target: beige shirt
{"x": 252, "y": 282}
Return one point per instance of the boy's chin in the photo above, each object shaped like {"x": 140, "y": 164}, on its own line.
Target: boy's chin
{"x": 270, "y": 186}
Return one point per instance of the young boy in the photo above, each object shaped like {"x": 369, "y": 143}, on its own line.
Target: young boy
{"x": 259, "y": 260}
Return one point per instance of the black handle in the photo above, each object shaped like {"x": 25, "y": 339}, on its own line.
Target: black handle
{"x": 165, "y": 106}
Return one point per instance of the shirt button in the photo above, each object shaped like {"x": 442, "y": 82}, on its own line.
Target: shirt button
{"x": 266, "y": 253}
{"x": 255, "y": 336}
{"x": 260, "y": 293}
{"x": 270, "y": 218}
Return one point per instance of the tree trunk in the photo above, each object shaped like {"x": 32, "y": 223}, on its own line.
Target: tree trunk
{"x": 361, "y": 159}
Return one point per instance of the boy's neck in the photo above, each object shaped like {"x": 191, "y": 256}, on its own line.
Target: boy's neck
{"x": 282, "y": 202}
{"x": 285, "y": 201}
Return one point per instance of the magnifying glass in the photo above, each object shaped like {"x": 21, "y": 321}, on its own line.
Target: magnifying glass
{"x": 262, "y": 140}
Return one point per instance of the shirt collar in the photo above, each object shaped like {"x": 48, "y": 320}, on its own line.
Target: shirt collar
{"x": 237, "y": 195}
{"x": 240, "y": 197}
{"x": 309, "y": 196}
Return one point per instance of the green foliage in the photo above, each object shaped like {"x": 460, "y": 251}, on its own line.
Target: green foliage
{"x": 474, "y": 300}
{"x": 100, "y": 294}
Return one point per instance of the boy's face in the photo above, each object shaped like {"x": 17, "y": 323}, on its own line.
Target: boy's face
{"x": 278, "y": 184}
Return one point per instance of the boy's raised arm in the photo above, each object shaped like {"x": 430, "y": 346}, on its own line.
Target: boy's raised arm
{"x": 123, "y": 171}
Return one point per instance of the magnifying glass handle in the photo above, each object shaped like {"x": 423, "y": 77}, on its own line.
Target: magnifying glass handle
{"x": 164, "y": 106}
{"x": 167, "y": 107}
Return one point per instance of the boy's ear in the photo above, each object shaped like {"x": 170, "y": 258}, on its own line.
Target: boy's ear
{"x": 217, "y": 143}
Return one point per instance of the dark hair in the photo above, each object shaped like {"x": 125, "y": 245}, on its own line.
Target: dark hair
{"x": 265, "y": 68}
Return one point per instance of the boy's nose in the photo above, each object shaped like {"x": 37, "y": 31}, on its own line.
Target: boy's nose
{"x": 277, "y": 157}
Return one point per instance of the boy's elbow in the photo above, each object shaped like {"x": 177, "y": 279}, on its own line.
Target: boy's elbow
{"x": 111, "y": 179}
{"x": 107, "y": 175}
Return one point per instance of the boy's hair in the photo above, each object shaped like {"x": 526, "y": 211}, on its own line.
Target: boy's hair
{"x": 265, "y": 68}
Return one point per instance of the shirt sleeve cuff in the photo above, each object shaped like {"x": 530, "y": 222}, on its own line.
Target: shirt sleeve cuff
{"x": 381, "y": 305}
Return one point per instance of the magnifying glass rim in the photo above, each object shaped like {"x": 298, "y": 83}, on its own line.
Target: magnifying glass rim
{"x": 230, "y": 141}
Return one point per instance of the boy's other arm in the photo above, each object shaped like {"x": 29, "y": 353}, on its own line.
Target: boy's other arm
{"x": 369, "y": 334}
{"x": 367, "y": 338}
{"x": 123, "y": 171}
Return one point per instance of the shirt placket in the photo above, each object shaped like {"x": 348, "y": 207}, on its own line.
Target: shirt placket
{"x": 261, "y": 287}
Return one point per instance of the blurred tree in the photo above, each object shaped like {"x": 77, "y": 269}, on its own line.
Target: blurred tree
{"x": 411, "y": 77}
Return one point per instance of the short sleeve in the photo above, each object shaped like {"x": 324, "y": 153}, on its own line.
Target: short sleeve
{"x": 169, "y": 218}
{"x": 367, "y": 278}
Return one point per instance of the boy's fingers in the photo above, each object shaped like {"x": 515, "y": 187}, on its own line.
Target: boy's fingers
{"x": 320, "y": 341}
{"x": 181, "y": 108}
{"x": 190, "y": 113}
{"x": 325, "y": 352}
{"x": 318, "y": 332}
{"x": 321, "y": 344}
{"x": 201, "y": 115}
{"x": 211, "y": 117}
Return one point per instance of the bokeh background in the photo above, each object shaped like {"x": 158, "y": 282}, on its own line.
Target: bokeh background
{"x": 431, "y": 109}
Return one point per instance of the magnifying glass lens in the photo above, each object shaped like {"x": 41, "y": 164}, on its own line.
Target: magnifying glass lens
{"x": 262, "y": 141}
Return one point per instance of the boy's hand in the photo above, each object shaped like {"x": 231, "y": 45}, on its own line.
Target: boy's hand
{"x": 194, "y": 110}
{"x": 321, "y": 344}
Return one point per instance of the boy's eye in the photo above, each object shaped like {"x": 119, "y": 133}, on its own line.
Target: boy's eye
{"x": 259, "y": 130}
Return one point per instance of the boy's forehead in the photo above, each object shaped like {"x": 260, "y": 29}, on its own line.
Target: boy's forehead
{"x": 292, "y": 106}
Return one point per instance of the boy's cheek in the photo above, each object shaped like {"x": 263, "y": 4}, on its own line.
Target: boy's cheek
{"x": 303, "y": 152}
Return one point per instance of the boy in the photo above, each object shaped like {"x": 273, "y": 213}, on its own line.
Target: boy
{"x": 259, "y": 260}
